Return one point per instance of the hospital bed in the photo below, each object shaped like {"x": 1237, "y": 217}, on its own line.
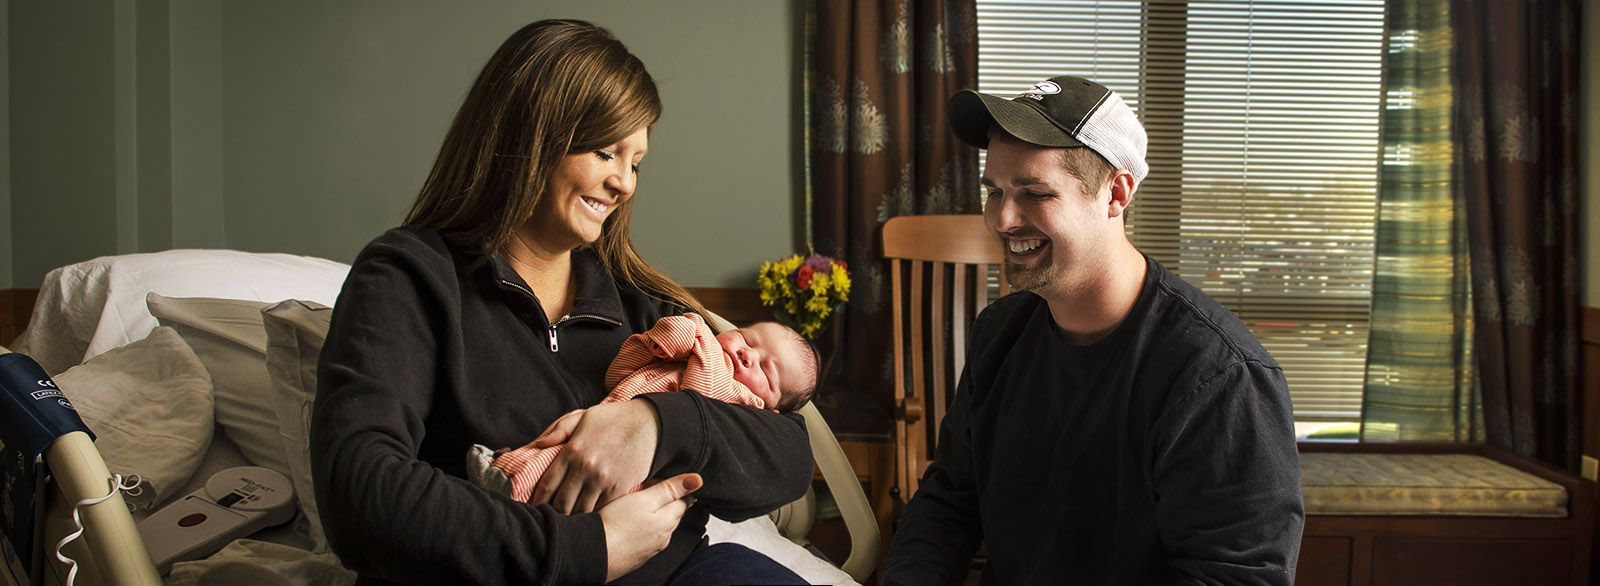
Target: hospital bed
{"x": 188, "y": 362}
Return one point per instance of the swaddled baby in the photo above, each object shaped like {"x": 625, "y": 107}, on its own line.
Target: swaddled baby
{"x": 766, "y": 366}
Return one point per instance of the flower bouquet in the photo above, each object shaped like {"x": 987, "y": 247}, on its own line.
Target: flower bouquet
{"x": 804, "y": 291}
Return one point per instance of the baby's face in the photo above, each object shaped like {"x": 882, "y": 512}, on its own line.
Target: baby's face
{"x": 765, "y": 359}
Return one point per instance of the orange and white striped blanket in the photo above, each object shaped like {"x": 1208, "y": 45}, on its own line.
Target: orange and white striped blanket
{"x": 679, "y": 352}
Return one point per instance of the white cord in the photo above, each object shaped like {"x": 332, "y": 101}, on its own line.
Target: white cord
{"x": 116, "y": 485}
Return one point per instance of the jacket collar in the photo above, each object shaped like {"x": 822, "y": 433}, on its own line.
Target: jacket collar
{"x": 597, "y": 294}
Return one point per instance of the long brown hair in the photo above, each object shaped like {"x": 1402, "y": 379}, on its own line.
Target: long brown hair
{"x": 556, "y": 87}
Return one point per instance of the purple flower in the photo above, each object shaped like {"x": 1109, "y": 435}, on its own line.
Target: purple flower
{"x": 819, "y": 263}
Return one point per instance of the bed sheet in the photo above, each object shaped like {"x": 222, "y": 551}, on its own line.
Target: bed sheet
{"x": 280, "y": 556}
{"x": 283, "y": 556}
{"x": 88, "y": 309}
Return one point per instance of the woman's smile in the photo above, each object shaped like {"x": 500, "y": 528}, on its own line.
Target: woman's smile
{"x": 585, "y": 189}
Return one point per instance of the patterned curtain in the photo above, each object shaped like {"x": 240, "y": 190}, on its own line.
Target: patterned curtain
{"x": 1517, "y": 64}
{"x": 1420, "y": 383}
{"x": 878, "y": 74}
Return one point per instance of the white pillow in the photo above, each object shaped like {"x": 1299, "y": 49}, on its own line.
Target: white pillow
{"x": 296, "y": 331}
{"x": 90, "y": 307}
{"x": 149, "y": 406}
{"x": 227, "y": 336}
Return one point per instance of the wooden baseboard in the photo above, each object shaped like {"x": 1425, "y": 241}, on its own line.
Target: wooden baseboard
{"x": 1591, "y": 325}
{"x": 742, "y": 306}
{"x": 1589, "y": 374}
{"x": 739, "y": 305}
{"x": 16, "y": 305}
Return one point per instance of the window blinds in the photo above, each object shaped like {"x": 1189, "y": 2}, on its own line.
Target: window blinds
{"x": 1263, "y": 124}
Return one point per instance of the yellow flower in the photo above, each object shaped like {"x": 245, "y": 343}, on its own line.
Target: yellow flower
{"x": 842, "y": 278}
{"x": 808, "y": 289}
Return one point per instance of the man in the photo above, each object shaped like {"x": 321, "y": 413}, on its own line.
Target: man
{"x": 1113, "y": 425}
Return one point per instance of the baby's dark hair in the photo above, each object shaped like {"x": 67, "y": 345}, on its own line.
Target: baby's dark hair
{"x": 796, "y": 398}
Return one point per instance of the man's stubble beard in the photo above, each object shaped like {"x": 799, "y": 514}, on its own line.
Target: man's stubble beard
{"x": 1031, "y": 278}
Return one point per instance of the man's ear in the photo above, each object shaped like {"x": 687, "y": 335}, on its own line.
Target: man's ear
{"x": 1121, "y": 193}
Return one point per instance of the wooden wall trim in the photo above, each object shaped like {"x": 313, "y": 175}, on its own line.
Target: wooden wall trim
{"x": 1589, "y": 400}
{"x": 1589, "y": 375}
{"x": 1591, "y": 325}
{"x": 16, "y": 305}
{"x": 740, "y": 305}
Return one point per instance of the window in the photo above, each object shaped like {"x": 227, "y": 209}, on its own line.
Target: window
{"x": 1263, "y": 124}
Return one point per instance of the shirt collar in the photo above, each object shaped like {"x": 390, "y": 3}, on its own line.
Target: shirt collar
{"x": 597, "y": 293}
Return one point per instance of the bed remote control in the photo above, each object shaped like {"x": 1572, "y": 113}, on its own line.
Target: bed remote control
{"x": 234, "y": 503}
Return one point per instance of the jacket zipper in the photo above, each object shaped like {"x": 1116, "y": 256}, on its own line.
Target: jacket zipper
{"x": 555, "y": 345}
{"x": 589, "y": 316}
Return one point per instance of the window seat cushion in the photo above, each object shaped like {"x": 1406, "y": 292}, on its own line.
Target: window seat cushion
{"x": 1424, "y": 484}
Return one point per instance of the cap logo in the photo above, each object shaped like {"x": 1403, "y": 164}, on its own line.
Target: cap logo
{"x": 1041, "y": 89}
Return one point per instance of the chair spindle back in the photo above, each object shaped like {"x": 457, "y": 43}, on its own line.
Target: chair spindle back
{"x": 944, "y": 270}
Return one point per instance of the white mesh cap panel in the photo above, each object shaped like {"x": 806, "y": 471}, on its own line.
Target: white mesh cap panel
{"x": 1114, "y": 131}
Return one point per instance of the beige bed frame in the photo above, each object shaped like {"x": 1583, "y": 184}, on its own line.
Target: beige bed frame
{"x": 111, "y": 551}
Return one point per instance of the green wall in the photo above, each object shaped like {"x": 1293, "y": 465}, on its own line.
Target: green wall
{"x": 63, "y": 135}
{"x": 308, "y": 126}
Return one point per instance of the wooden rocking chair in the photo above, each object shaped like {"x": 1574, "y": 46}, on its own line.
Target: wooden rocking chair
{"x": 945, "y": 269}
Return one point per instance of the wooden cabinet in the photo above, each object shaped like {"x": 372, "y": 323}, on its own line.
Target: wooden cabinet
{"x": 1470, "y": 562}
{"x": 1379, "y": 561}
{"x": 1378, "y": 550}
{"x": 1324, "y": 561}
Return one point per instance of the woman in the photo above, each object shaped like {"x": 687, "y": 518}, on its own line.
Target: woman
{"x": 491, "y": 314}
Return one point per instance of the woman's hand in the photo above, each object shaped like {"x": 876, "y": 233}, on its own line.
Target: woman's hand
{"x": 639, "y": 525}
{"x": 608, "y": 451}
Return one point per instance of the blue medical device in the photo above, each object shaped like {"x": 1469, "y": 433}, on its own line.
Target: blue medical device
{"x": 33, "y": 413}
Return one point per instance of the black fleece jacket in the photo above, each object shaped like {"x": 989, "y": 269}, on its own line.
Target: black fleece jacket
{"x": 1162, "y": 454}
{"x": 425, "y": 358}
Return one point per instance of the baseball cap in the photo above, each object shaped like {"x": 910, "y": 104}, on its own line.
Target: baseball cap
{"x": 1062, "y": 111}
